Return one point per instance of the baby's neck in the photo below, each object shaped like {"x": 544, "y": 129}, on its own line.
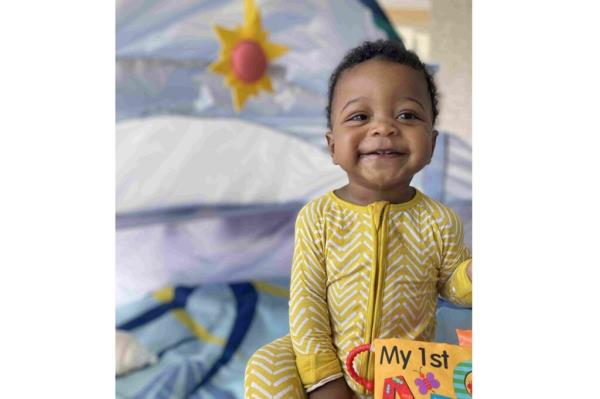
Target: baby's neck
{"x": 364, "y": 196}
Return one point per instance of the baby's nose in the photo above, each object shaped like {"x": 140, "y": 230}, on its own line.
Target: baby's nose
{"x": 384, "y": 127}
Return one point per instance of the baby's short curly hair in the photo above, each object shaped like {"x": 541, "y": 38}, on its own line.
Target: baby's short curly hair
{"x": 389, "y": 50}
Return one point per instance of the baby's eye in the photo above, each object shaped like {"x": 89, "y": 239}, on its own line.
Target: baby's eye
{"x": 358, "y": 117}
{"x": 408, "y": 116}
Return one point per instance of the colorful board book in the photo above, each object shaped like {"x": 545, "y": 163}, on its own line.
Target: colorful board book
{"x": 413, "y": 369}
{"x": 406, "y": 369}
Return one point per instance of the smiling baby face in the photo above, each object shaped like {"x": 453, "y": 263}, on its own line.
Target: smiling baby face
{"x": 382, "y": 124}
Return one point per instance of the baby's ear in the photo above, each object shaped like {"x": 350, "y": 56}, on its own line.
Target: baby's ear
{"x": 330, "y": 145}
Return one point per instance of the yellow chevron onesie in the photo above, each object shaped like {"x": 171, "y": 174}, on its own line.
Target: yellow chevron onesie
{"x": 360, "y": 273}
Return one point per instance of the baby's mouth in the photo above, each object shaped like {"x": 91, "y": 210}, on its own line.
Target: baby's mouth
{"x": 381, "y": 154}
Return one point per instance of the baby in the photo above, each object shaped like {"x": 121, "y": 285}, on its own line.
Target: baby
{"x": 371, "y": 257}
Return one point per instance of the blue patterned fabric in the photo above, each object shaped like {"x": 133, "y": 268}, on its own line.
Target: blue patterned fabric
{"x": 243, "y": 316}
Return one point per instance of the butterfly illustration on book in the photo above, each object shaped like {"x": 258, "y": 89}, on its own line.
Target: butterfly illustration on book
{"x": 426, "y": 383}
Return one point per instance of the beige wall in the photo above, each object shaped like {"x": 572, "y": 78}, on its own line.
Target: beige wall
{"x": 450, "y": 47}
{"x": 440, "y": 32}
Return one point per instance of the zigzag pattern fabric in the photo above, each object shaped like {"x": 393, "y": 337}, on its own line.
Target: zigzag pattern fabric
{"x": 271, "y": 373}
{"x": 366, "y": 272}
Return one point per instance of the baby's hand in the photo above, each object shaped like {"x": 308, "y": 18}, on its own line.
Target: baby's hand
{"x": 336, "y": 389}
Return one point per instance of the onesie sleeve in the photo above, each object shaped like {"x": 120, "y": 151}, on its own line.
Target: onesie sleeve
{"x": 454, "y": 283}
{"x": 310, "y": 330}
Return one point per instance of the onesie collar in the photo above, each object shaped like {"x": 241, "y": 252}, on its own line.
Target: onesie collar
{"x": 361, "y": 208}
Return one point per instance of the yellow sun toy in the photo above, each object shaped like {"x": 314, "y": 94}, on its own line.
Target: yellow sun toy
{"x": 244, "y": 57}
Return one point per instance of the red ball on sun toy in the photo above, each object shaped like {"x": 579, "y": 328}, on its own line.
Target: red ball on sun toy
{"x": 248, "y": 61}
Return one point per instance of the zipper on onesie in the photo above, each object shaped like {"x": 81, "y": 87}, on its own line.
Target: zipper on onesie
{"x": 379, "y": 212}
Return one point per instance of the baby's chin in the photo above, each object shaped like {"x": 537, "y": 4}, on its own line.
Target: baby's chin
{"x": 384, "y": 181}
